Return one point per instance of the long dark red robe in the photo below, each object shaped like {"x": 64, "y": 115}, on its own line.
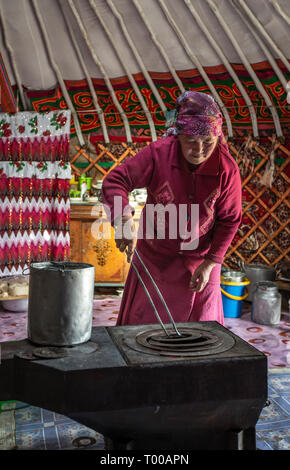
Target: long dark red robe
{"x": 216, "y": 187}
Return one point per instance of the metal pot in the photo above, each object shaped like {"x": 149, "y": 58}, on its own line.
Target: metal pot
{"x": 60, "y": 303}
{"x": 266, "y": 306}
{"x": 257, "y": 273}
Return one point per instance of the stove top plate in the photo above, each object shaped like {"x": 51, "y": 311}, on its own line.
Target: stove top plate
{"x": 218, "y": 342}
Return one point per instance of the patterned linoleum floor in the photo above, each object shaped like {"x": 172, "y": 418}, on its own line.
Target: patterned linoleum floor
{"x": 25, "y": 427}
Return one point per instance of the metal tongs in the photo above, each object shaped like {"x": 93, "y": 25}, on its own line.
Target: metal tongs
{"x": 150, "y": 298}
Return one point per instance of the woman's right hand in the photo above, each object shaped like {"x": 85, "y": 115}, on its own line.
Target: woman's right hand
{"x": 125, "y": 236}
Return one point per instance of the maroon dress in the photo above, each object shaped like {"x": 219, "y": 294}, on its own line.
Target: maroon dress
{"x": 215, "y": 186}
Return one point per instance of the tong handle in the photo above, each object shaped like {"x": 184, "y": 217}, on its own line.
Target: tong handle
{"x": 159, "y": 293}
{"x": 149, "y": 297}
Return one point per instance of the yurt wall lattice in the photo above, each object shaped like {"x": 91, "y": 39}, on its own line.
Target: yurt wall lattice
{"x": 263, "y": 236}
{"x": 129, "y": 62}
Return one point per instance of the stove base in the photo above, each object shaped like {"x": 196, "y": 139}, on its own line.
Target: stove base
{"x": 191, "y": 426}
{"x": 244, "y": 439}
{"x": 145, "y": 401}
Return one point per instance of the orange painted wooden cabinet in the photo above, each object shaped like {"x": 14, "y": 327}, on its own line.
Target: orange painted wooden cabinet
{"x": 92, "y": 241}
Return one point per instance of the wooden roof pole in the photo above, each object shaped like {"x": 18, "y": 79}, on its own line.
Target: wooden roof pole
{"x": 159, "y": 46}
{"x": 264, "y": 33}
{"x": 87, "y": 75}
{"x": 138, "y": 57}
{"x": 247, "y": 65}
{"x": 130, "y": 76}
{"x": 281, "y": 12}
{"x": 262, "y": 46}
{"x": 227, "y": 65}
{"x": 58, "y": 73}
{"x": 197, "y": 63}
{"x": 104, "y": 73}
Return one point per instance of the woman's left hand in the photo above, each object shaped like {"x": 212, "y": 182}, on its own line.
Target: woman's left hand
{"x": 201, "y": 275}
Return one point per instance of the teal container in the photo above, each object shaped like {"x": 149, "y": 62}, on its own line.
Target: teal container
{"x": 233, "y": 283}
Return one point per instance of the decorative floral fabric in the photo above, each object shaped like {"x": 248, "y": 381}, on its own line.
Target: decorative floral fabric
{"x": 30, "y": 124}
{"x": 196, "y": 114}
{"x": 35, "y": 170}
{"x": 34, "y": 188}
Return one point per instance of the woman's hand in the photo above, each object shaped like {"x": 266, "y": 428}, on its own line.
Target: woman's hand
{"x": 201, "y": 276}
{"x": 125, "y": 236}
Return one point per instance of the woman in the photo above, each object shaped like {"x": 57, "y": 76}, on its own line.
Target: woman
{"x": 190, "y": 166}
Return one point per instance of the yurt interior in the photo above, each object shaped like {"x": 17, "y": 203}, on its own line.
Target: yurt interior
{"x": 144, "y": 228}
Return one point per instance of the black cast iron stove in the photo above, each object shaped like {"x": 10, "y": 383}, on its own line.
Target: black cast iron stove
{"x": 143, "y": 389}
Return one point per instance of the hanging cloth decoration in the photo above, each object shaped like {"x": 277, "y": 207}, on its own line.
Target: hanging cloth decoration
{"x": 246, "y": 151}
{"x": 34, "y": 189}
{"x": 268, "y": 176}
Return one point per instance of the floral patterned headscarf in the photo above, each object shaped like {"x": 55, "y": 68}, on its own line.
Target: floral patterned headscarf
{"x": 196, "y": 114}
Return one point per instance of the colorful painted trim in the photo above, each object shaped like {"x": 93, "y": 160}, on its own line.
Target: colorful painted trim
{"x": 47, "y": 100}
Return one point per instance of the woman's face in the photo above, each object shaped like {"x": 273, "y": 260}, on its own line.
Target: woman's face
{"x": 197, "y": 149}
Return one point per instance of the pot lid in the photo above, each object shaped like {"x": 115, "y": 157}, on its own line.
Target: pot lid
{"x": 60, "y": 266}
{"x": 259, "y": 266}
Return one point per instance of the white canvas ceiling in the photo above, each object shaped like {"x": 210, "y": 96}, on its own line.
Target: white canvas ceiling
{"x": 45, "y": 42}
{"x": 26, "y": 37}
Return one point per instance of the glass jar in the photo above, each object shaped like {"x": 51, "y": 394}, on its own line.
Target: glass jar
{"x": 266, "y": 305}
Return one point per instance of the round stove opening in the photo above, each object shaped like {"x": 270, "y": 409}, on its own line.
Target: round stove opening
{"x": 191, "y": 342}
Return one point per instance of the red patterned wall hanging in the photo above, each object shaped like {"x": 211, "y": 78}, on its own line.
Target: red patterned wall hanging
{"x": 34, "y": 189}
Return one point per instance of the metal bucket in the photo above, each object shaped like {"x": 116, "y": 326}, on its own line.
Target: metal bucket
{"x": 257, "y": 273}
{"x": 233, "y": 288}
{"x": 60, "y": 303}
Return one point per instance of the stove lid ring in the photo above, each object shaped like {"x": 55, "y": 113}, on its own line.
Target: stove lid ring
{"x": 194, "y": 342}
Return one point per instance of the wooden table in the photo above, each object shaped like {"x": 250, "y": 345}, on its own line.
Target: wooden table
{"x": 92, "y": 241}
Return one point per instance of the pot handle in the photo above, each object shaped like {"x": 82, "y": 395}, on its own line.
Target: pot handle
{"x": 26, "y": 274}
{"x": 241, "y": 265}
{"x": 233, "y": 297}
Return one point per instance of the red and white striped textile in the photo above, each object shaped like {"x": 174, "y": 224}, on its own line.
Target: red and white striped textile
{"x": 34, "y": 189}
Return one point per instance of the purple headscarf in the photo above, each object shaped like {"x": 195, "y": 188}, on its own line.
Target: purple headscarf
{"x": 197, "y": 114}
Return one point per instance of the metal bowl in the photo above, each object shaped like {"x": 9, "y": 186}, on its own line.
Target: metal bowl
{"x": 15, "y": 305}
